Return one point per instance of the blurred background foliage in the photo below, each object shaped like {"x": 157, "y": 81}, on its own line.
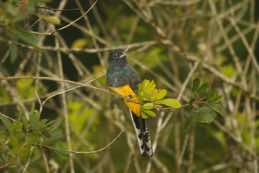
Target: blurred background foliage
{"x": 57, "y": 114}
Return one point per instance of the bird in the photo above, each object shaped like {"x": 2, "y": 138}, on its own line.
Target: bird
{"x": 123, "y": 79}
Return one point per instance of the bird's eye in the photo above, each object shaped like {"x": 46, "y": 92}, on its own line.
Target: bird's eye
{"x": 129, "y": 97}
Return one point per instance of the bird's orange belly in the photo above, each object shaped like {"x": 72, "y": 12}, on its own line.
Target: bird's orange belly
{"x": 130, "y": 98}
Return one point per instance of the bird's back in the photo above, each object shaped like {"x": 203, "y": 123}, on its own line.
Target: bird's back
{"x": 120, "y": 76}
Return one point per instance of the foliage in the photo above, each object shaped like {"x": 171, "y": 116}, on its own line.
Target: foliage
{"x": 53, "y": 96}
{"x": 51, "y": 19}
{"x": 153, "y": 99}
{"x": 12, "y": 13}
{"x": 205, "y": 103}
{"x": 22, "y": 135}
{"x": 203, "y": 107}
{"x": 79, "y": 115}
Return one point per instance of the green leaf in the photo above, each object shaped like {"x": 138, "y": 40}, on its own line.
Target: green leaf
{"x": 148, "y": 106}
{"x": 151, "y": 86}
{"x": 152, "y": 58}
{"x": 25, "y": 88}
{"x": 204, "y": 115}
{"x": 51, "y": 19}
{"x": 147, "y": 90}
{"x": 35, "y": 120}
{"x": 228, "y": 70}
{"x": 217, "y": 107}
{"x": 195, "y": 85}
{"x": 81, "y": 43}
{"x": 213, "y": 97}
{"x": 7, "y": 123}
{"x": 79, "y": 114}
{"x": 161, "y": 94}
{"x": 13, "y": 52}
{"x": 149, "y": 113}
{"x": 52, "y": 125}
{"x": 144, "y": 116}
{"x": 203, "y": 89}
{"x": 26, "y": 36}
{"x": 174, "y": 103}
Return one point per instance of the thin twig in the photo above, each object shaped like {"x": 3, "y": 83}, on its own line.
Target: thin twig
{"x": 65, "y": 111}
{"x": 74, "y": 21}
{"x": 53, "y": 79}
{"x": 83, "y": 152}
{"x": 187, "y": 80}
{"x": 7, "y": 117}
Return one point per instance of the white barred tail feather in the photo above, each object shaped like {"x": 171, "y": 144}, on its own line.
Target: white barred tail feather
{"x": 142, "y": 134}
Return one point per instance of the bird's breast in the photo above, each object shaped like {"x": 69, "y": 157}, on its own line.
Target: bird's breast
{"x": 129, "y": 97}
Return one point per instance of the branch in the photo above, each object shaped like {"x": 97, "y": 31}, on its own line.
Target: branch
{"x": 83, "y": 152}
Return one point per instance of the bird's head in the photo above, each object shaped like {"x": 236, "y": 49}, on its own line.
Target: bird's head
{"x": 118, "y": 57}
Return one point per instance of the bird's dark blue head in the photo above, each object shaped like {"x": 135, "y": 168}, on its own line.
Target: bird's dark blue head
{"x": 118, "y": 58}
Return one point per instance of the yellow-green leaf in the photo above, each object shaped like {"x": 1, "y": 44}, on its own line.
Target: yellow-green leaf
{"x": 79, "y": 43}
{"x": 25, "y": 88}
{"x": 148, "y": 106}
{"x": 51, "y": 19}
{"x": 149, "y": 113}
{"x": 161, "y": 94}
{"x": 174, "y": 103}
{"x": 204, "y": 115}
{"x": 25, "y": 36}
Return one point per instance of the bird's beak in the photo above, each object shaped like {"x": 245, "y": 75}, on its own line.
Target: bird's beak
{"x": 123, "y": 55}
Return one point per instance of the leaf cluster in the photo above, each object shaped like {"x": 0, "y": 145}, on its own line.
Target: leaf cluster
{"x": 19, "y": 136}
{"x": 152, "y": 99}
{"x": 13, "y": 13}
{"x": 205, "y": 103}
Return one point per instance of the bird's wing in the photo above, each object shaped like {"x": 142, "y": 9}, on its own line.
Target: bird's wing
{"x": 133, "y": 77}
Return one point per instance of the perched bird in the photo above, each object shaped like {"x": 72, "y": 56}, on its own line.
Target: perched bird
{"x": 123, "y": 80}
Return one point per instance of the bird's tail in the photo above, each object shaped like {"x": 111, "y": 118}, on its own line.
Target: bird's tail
{"x": 143, "y": 135}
